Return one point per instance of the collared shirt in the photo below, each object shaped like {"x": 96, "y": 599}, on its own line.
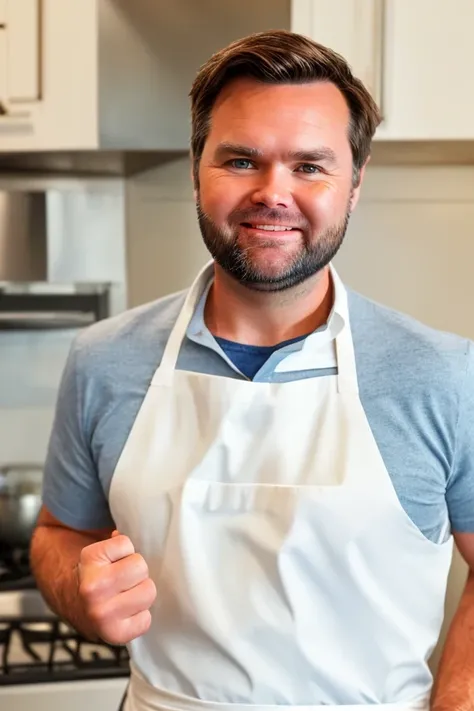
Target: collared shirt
{"x": 310, "y": 356}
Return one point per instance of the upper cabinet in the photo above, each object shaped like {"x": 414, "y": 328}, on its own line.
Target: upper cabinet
{"x": 353, "y": 28}
{"x": 20, "y": 75}
{"x": 48, "y": 85}
{"x": 416, "y": 58}
{"x": 429, "y": 55}
{"x": 81, "y": 75}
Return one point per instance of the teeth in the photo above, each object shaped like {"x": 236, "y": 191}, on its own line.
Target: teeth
{"x": 273, "y": 228}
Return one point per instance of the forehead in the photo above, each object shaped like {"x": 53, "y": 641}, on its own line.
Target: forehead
{"x": 253, "y": 112}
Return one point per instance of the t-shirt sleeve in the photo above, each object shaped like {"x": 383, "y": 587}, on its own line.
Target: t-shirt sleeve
{"x": 460, "y": 487}
{"x": 72, "y": 491}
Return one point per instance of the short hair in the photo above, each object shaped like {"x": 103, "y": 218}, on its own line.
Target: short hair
{"x": 282, "y": 57}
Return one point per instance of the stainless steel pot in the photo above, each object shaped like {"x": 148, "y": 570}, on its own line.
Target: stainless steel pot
{"x": 20, "y": 502}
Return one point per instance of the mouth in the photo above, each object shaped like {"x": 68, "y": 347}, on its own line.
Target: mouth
{"x": 272, "y": 229}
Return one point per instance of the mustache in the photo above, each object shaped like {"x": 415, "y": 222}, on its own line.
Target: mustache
{"x": 262, "y": 213}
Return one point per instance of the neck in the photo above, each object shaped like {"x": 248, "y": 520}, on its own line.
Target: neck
{"x": 260, "y": 318}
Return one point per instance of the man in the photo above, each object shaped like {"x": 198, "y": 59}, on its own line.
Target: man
{"x": 270, "y": 421}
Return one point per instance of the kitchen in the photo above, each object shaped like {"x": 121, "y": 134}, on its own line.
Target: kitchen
{"x": 94, "y": 184}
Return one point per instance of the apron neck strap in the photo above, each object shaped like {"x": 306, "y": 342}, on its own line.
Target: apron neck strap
{"x": 347, "y": 381}
{"x": 164, "y": 372}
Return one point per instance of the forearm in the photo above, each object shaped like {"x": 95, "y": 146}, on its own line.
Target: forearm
{"x": 454, "y": 687}
{"x": 55, "y": 554}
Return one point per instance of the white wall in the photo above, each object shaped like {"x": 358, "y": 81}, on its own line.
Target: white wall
{"x": 30, "y": 368}
{"x": 164, "y": 246}
{"x": 410, "y": 244}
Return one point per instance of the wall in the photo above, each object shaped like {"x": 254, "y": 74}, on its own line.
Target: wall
{"x": 30, "y": 367}
{"x": 164, "y": 248}
{"x": 410, "y": 243}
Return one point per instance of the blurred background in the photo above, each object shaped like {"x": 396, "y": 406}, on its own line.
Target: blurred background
{"x": 97, "y": 212}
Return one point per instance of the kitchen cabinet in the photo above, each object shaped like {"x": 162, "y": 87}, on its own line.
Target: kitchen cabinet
{"x": 415, "y": 58}
{"x": 428, "y": 59}
{"x": 114, "y": 75}
{"x": 353, "y": 28}
{"x": 111, "y": 75}
{"x": 47, "y": 87}
{"x": 82, "y": 75}
{"x": 20, "y": 70}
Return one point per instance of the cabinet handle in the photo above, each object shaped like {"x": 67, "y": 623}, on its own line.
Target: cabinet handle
{"x": 7, "y": 114}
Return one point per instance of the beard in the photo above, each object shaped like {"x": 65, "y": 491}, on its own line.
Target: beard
{"x": 314, "y": 254}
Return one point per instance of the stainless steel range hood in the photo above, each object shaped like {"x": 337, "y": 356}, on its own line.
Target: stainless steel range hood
{"x": 36, "y": 291}
{"x": 123, "y": 163}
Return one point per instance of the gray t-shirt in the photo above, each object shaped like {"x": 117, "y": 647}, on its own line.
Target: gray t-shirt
{"x": 416, "y": 387}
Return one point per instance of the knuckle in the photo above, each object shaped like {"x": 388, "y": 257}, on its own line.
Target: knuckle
{"x": 149, "y": 590}
{"x": 87, "y": 589}
{"x": 121, "y": 544}
{"x": 144, "y": 622}
{"x": 85, "y": 554}
{"x": 94, "y": 585}
{"x": 113, "y": 635}
{"x": 139, "y": 564}
{"x": 127, "y": 630}
{"x": 97, "y": 616}
{"x": 139, "y": 625}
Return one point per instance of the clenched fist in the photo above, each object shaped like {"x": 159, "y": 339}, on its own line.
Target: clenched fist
{"x": 115, "y": 590}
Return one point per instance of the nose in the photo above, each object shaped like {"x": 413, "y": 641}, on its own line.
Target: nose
{"x": 273, "y": 189}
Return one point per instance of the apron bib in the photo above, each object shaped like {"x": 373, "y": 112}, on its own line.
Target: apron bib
{"x": 288, "y": 573}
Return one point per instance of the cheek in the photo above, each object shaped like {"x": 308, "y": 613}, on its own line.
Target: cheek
{"x": 217, "y": 196}
{"x": 324, "y": 203}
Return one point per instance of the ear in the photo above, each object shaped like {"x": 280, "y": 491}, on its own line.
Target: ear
{"x": 357, "y": 188}
{"x": 193, "y": 180}
{"x": 191, "y": 166}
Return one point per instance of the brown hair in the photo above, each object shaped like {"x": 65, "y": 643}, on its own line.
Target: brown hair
{"x": 282, "y": 57}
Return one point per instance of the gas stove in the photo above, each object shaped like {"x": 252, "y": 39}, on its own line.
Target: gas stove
{"x": 44, "y": 661}
{"x": 37, "y": 650}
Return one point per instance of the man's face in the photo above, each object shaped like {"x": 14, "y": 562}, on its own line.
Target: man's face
{"x": 275, "y": 181}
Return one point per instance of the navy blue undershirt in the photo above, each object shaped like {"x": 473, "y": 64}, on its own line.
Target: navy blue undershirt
{"x": 249, "y": 359}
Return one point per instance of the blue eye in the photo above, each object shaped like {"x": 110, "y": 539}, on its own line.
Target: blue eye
{"x": 309, "y": 168}
{"x": 241, "y": 163}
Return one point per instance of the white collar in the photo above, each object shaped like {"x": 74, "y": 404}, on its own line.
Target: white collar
{"x": 316, "y": 350}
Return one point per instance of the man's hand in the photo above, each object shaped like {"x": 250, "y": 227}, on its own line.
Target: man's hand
{"x": 115, "y": 590}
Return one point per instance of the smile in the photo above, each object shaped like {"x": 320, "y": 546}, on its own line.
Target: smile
{"x": 269, "y": 228}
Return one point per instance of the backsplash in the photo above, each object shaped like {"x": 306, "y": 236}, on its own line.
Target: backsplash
{"x": 31, "y": 364}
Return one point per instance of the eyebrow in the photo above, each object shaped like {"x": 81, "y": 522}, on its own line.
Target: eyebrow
{"x": 322, "y": 154}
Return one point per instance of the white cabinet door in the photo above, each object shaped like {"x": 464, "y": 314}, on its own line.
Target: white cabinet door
{"x": 3, "y": 66}
{"x": 353, "y": 28}
{"x": 23, "y": 51}
{"x": 429, "y": 55}
{"x": 19, "y": 65}
{"x": 51, "y": 83}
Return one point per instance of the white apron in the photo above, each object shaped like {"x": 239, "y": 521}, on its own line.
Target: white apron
{"x": 288, "y": 574}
